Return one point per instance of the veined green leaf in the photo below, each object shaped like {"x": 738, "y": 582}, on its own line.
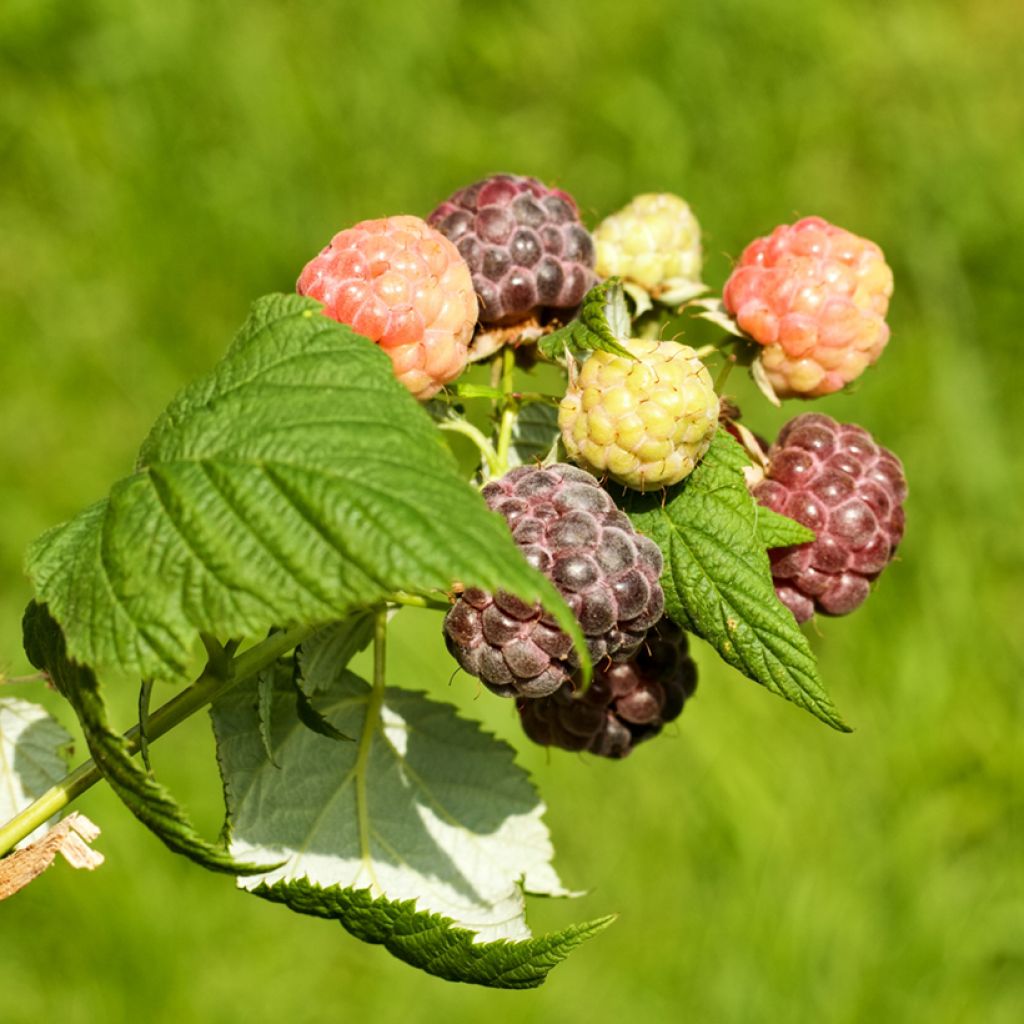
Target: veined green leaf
{"x": 433, "y": 942}
{"x": 778, "y": 531}
{"x": 602, "y": 323}
{"x": 717, "y": 578}
{"x": 425, "y": 807}
{"x": 295, "y": 483}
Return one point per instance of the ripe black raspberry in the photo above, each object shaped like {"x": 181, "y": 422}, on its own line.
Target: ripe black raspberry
{"x": 569, "y": 529}
{"x": 524, "y": 244}
{"x": 834, "y": 478}
{"x": 628, "y": 702}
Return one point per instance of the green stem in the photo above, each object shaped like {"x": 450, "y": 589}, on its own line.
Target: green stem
{"x": 509, "y": 408}
{"x": 418, "y": 601}
{"x": 723, "y": 374}
{"x": 210, "y": 685}
{"x": 540, "y": 397}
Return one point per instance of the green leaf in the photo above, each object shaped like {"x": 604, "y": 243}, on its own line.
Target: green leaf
{"x": 149, "y": 801}
{"x": 778, "y": 531}
{"x": 32, "y": 745}
{"x": 295, "y": 483}
{"x": 533, "y": 434}
{"x": 432, "y": 942}
{"x": 330, "y": 649}
{"x": 602, "y": 323}
{"x": 426, "y": 807}
{"x": 717, "y": 578}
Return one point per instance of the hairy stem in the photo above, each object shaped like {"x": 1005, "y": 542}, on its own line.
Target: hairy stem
{"x": 210, "y": 685}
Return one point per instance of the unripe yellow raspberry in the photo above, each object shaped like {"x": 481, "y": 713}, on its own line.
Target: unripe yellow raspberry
{"x": 653, "y": 242}
{"x": 644, "y": 422}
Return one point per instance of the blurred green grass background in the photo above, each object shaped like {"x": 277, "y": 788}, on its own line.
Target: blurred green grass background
{"x": 163, "y": 164}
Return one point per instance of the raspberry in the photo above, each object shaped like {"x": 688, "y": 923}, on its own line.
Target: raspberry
{"x": 835, "y": 479}
{"x": 524, "y": 244}
{"x": 403, "y": 285}
{"x": 816, "y": 297}
{"x": 569, "y": 529}
{"x": 654, "y": 242}
{"x": 628, "y": 702}
{"x": 645, "y": 422}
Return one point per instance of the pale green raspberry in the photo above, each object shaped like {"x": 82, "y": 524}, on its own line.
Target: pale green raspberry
{"x": 653, "y": 242}
{"x": 644, "y": 422}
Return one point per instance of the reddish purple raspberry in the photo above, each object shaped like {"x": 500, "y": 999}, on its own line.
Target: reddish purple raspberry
{"x": 835, "y": 479}
{"x": 524, "y": 244}
{"x": 628, "y": 701}
{"x": 569, "y": 529}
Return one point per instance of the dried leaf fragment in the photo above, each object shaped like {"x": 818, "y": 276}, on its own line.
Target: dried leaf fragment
{"x": 70, "y": 837}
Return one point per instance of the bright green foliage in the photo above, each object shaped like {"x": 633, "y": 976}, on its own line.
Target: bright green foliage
{"x": 778, "y": 531}
{"x": 602, "y": 324}
{"x": 431, "y": 941}
{"x": 294, "y": 483}
{"x": 717, "y": 579}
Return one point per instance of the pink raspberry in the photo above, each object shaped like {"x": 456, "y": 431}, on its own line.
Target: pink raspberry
{"x": 815, "y": 296}
{"x": 402, "y": 284}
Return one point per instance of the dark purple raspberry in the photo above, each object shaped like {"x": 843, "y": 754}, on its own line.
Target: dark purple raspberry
{"x": 524, "y": 244}
{"x": 569, "y": 529}
{"x": 834, "y": 478}
{"x": 628, "y": 701}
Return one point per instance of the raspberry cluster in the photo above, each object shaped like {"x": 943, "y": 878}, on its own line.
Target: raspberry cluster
{"x": 816, "y": 297}
{"x": 654, "y": 242}
{"x": 628, "y": 701}
{"x": 402, "y": 284}
{"x": 647, "y": 421}
{"x": 569, "y": 529}
{"x": 524, "y": 244}
{"x": 835, "y": 479}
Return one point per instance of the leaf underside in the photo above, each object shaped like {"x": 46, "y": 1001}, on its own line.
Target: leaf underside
{"x": 717, "y": 578}
{"x": 422, "y": 835}
{"x": 534, "y": 433}
{"x": 294, "y": 483}
{"x": 31, "y": 759}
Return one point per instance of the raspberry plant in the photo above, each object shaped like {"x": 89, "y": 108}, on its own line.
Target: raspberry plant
{"x": 288, "y": 504}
